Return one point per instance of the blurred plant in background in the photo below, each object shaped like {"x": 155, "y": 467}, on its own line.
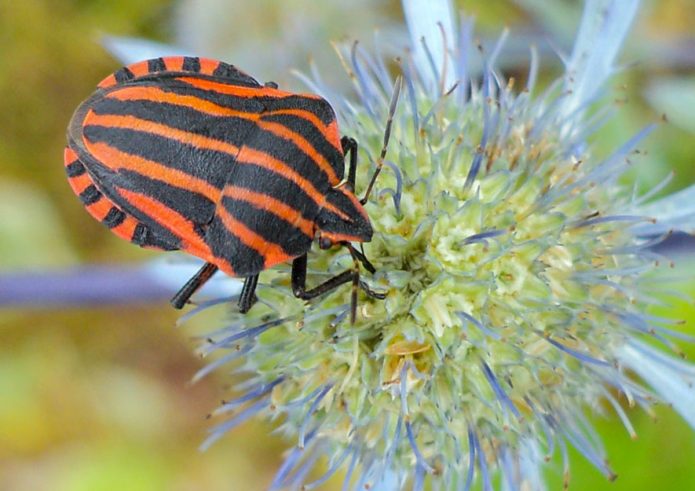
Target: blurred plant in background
{"x": 270, "y": 27}
{"x": 73, "y": 385}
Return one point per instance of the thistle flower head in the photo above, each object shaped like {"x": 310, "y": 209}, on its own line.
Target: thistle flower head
{"x": 513, "y": 267}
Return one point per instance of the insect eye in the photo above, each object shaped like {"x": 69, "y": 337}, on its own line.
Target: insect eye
{"x": 325, "y": 243}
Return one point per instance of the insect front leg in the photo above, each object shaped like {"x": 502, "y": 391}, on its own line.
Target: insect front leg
{"x": 248, "y": 294}
{"x": 193, "y": 285}
{"x": 299, "y": 267}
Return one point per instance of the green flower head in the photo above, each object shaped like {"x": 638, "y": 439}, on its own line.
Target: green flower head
{"x": 512, "y": 263}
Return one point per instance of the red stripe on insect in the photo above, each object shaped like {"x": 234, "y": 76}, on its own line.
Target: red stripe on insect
{"x": 138, "y": 124}
{"x": 80, "y": 183}
{"x": 208, "y": 66}
{"x": 239, "y": 90}
{"x": 117, "y": 160}
{"x": 126, "y": 229}
{"x": 100, "y": 209}
{"x": 69, "y": 156}
{"x": 174, "y": 63}
{"x": 139, "y": 69}
{"x": 109, "y": 81}
{"x": 330, "y": 131}
{"x": 154, "y": 94}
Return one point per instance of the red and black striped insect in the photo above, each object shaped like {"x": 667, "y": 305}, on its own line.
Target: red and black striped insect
{"x": 192, "y": 154}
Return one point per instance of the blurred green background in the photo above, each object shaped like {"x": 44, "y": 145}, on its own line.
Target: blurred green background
{"x": 98, "y": 398}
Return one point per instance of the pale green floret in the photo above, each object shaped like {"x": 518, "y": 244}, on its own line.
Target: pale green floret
{"x": 520, "y": 285}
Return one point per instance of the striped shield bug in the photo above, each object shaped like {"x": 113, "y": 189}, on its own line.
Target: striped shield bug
{"x": 192, "y": 154}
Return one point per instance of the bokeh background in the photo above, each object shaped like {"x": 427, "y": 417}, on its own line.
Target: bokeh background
{"x": 96, "y": 396}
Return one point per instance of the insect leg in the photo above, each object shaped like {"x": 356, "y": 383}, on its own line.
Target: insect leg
{"x": 350, "y": 145}
{"x": 199, "y": 279}
{"x": 299, "y": 266}
{"x": 359, "y": 256}
{"x": 299, "y": 280}
{"x": 248, "y": 294}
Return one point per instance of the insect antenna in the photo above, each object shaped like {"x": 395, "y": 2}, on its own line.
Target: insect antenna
{"x": 365, "y": 262}
{"x": 387, "y": 135}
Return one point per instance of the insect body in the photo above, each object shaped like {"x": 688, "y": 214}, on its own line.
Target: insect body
{"x": 191, "y": 154}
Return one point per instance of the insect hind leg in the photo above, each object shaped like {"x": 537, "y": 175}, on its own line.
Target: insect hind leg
{"x": 182, "y": 297}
